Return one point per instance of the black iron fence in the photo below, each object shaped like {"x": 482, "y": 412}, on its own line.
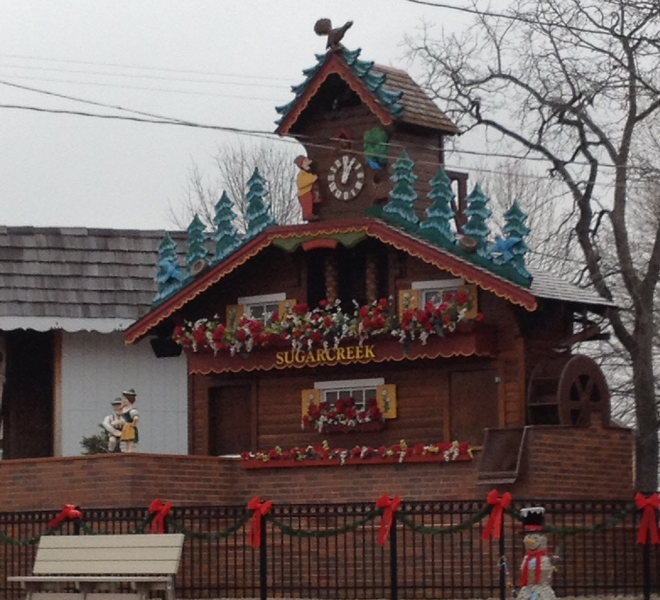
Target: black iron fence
{"x": 434, "y": 550}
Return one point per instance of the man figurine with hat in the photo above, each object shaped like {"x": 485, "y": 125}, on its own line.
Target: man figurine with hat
{"x": 113, "y": 424}
{"x": 129, "y": 432}
{"x": 536, "y": 570}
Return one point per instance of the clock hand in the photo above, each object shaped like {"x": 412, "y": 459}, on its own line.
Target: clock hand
{"x": 346, "y": 172}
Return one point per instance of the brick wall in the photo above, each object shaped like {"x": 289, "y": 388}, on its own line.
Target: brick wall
{"x": 561, "y": 462}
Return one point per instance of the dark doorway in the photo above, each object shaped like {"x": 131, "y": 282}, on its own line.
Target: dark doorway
{"x": 27, "y": 398}
{"x": 230, "y": 419}
{"x": 473, "y": 406}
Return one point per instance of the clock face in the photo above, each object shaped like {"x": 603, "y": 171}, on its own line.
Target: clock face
{"x": 346, "y": 177}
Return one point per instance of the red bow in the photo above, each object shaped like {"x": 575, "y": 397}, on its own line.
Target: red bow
{"x": 536, "y": 555}
{"x": 649, "y": 523}
{"x": 161, "y": 511}
{"x": 69, "y": 511}
{"x": 494, "y": 525}
{"x": 390, "y": 507}
{"x": 259, "y": 509}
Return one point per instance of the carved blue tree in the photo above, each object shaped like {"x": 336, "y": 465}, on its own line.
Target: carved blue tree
{"x": 196, "y": 240}
{"x": 515, "y": 228}
{"x": 400, "y": 208}
{"x": 436, "y": 227}
{"x": 478, "y": 213}
{"x": 224, "y": 235}
{"x": 168, "y": 272}
{"x": 257, "y": 213}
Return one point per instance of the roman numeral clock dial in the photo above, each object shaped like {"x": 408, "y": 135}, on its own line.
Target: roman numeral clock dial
{"x": 346, "y": 178}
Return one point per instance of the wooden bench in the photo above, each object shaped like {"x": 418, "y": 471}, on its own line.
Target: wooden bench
{"x": 96, "y": 566}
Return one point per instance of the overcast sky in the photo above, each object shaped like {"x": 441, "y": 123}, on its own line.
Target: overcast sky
{"x": 218, "y": 62}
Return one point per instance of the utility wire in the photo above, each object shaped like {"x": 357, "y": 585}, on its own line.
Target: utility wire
{"x": 141, "y": 76}
{"x": 532, "y": 20}
{"x": 144, "y": 68}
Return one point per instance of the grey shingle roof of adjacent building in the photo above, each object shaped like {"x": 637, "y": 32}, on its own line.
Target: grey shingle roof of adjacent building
{"x": 76, "y": 278}
{"x": 103, "y": 279}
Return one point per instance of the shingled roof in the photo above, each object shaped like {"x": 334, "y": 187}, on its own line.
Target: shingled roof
{"x": 391, "y": 90}
{"x": 75, "y": 278}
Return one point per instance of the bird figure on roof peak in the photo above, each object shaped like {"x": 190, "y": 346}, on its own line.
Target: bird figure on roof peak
{"x": 324, "y": 27}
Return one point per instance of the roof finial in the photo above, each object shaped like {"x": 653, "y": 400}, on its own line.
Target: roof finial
{"x": 324, "y": 27}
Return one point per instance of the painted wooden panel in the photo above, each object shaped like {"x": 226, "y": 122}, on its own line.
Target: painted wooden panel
{"x": 97, "y": 367}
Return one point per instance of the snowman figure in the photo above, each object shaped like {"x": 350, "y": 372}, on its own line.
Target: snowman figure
{"x": 536, "y": 568}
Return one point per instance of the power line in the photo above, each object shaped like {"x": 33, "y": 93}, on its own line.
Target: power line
{"x": 141, "y": 76}
{"x": 248, "y": 132}
{"x": 523, "y": 19}
{"x": 144, "y": 68}
{"x": 148, "y": 89}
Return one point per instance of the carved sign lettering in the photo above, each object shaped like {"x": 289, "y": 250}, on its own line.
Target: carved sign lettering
{"x": 324, "y": 357}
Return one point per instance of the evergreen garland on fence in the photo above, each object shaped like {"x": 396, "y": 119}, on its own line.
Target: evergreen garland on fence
{"x": 216, "y": 535}
{"x": 326, "y": 533}
{"x": 426, "y": 530}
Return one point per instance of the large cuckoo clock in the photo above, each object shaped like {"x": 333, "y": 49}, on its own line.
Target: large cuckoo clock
{"x": 354, "y": 119}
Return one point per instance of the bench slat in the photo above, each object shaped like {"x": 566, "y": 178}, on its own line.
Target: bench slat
{"x": 136, "y": 555}
{"x": 108, "y": 567}
{"x": 112, "y": 541}
{"x": 88, "y": 578}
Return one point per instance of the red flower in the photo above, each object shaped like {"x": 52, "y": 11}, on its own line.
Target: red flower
{"x": 407, "y": 315}
{"x": 331, "y": 415}
{"x": 349, "y": 402}
{"x": 366, "y": 322}
{"x": 323, "y": 303}
{"x": 339, "y": 406}
{"x": 199, "y": 335}
{"x": 396, "y": 448}
{"x": 374, "y": 412}
{"x": 369, "y": 451}
{"x": 364, "y": 311}
{"x": 273, "y": 453}
{"x": 244, "y": 321}
{"x": 275, "y": 316}
{"x": 245, "y": 455}
{"x": 443, "y": 307}
{"x": 382, "y": 450}
{"x": 328, "y": 322}
{"x": 306, "y": 422}
{"x": 479, "y": 318}
{"x": 177, "y": 333}
{"x": 240, "y": 335}
{"x": 300, "y": 308}
{"x": 350, "y": 413}
{"x": 428, "y": 326}
{"x": 297, "y": 333}
{"x": 378, "y": 322}
{"x": 362, "y": 415}
{"x": 428, "y": 307}
{"x": 284, "y": 335}
{"x": 286, "y": 455}
{"x": 382, "y": 302}
{"x": 218, "y": 333}
{"x": 419, "y": 448}
{"x": 356, "y": 451}
{"x": 371, "y": 402}
{"x": 445, "y": 320}
{"x": 316, "y": 336}
{"x": 421, "y": 315}
{"x": 462, "y": 297}
{"x": 447, "y": 297}
{"x": 314, "y": 412}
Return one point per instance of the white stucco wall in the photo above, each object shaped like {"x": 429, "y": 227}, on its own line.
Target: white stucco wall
{"x": 96, "y": 367}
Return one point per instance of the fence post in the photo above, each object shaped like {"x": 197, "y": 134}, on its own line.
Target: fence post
{"x": 394, "y": 575}
{"x": 647, "y": 570}
{"x": 502, "y": 564}
{"x": 263, "y": 564}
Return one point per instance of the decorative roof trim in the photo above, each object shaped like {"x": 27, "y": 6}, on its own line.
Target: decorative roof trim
{"x": 333, "y": 65}
{"x": 379, "y": 230}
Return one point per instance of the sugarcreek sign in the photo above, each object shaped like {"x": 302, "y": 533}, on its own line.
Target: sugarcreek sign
{"x": 329, "y": 356}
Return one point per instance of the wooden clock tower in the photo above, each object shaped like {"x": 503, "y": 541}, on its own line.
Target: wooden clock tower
{"x": 354, "y": 119}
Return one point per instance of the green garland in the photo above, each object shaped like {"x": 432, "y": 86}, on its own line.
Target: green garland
{"x": 426, "y": 530}
{"x": 337, "y": 531}
{"x": 615, "y": 519}
{"x": 217, "y": 535}
{"x": 612, "y": 521}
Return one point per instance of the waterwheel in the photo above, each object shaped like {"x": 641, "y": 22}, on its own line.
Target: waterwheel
{"x": 566, "y": 390}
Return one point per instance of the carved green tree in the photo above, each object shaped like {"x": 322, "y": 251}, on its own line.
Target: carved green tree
{"x": 478, "y": 214}
{"x": 257, "y": 213}
{"x": 515, "y": 228}
{"x": 168, "y": 272}
{"x": 400, "y": 208}
{"x": 437, "y": 227}
{"x": 196, "y": 241}
{"x": 224, "y": 235}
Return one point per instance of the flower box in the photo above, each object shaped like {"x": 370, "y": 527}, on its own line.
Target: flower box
{"x": 358, "y": 427}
